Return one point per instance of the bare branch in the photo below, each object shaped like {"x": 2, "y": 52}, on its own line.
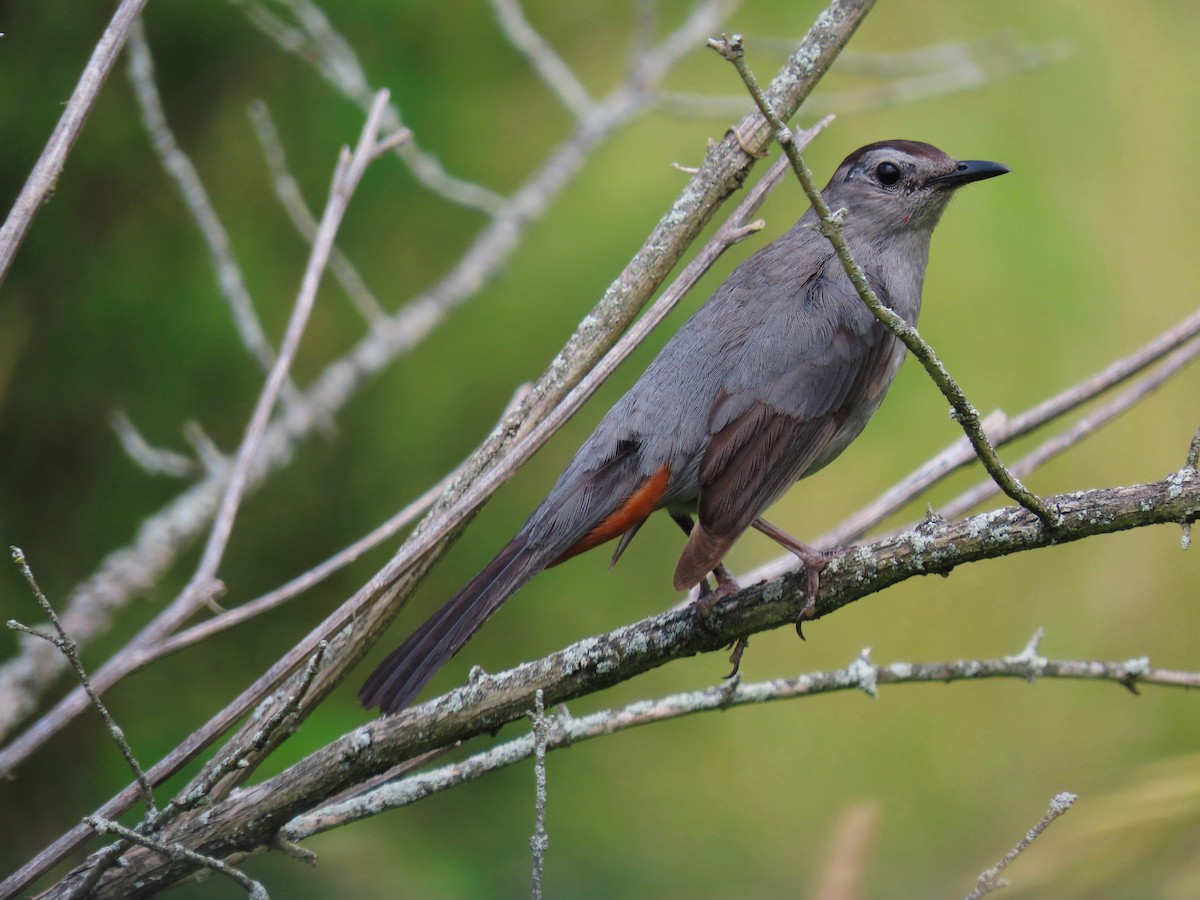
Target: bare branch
{"x": 1086, "y": 426}
{"x": 990, "y": 880}
{"x": 249, "y": 818}
{"x": 545, "y": 61}
{"x": 316, "y": 41}
{"x": 216, "y": 239}
{"x": 67, "y": 647}
{"x": 564, "y": 731}
{"x": 50, "y": 164}
{"x": 178, "y": 852}
{"x": 904, "y": 78}
{"x": 346, "y": 177}
{"x": 292, "y": 200}
{"x": 151, "y": 460}
{"x": 540, "y": 841}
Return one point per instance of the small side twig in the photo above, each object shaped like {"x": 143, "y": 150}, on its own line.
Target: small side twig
{"x": 312, "y": 38}
{"x": 150, "y": 459}
{"x": 177, "y": 851}
{"x": 540, "y": 840}
{"x": 64, "y": 643}
{"x": 831, "y": 224}
{"x": 990, "y": 880}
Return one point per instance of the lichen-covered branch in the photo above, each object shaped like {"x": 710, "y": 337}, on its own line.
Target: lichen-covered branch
{"x": 251, "y": 817}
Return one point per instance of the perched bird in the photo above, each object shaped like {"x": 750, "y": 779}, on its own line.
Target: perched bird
{"x": 769, "y": 381}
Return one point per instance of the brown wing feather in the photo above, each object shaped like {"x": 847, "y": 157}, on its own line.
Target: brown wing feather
{"x": 754, "y": 455}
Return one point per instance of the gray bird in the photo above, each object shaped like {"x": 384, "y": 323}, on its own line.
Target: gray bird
{"x": 768, "y": 382}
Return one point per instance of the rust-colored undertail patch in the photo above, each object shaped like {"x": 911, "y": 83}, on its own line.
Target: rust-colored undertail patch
{"x": 635, "y": 510}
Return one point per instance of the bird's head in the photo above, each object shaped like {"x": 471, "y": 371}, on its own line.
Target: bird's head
{"x": 896, "y": 186}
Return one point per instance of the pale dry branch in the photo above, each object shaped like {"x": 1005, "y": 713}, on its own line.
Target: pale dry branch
{"x": 292, "y": 200}
{"x": 178, "y": 852}
{"x": 151, "y": 460}
{"x": 41, "y": 181}
{"x": 129, "y": 571}
{"x": 990, "y": 880}
{"x": 540, "y": 842}
{"x": 63, "y": 643}
{"x": 564, "y": 731}
{"x": 313, "y": 38}
{"x": 347, "y": 175}
{"x": 191, "y": 189}
{"x": 1085, "y": 427}
{"x": 935, "y": 71}
{"x": 542, "y": 57}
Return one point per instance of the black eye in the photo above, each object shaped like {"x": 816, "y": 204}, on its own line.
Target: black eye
{"x": 887, "y": 173}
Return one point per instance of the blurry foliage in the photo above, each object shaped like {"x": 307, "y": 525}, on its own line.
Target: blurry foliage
{"x": 1036, "y": 280}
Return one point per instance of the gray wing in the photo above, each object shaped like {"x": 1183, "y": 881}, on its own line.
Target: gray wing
{"x": 812, "y": 371}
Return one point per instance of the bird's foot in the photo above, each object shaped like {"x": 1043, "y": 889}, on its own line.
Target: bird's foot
{"x": 709, "y": 597}
{"x": 815, "y": 562}
{"x": 735, "y": 658}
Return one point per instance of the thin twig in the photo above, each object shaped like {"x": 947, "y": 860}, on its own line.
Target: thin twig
{"x": 40, "y": 183}
{"x": 151, "y": 460}
{"x": 860, "y": 675}
{"x": 67, "y": 646}
{"x": 545, "y": 61}
{"x": 349, "y": 172}
{"x": 831, "y": 226}
{"x": 540, "y": 841}
{"x": 154, "y": 822}
{"x": 1086, "y": 426}
{"x": 934, "y": 71}
{"x": 316, "y": 41}
{"x": 990, "y": 880}
{"x": 177, "y": 851}
{"x": 187, "y": 180}
{"x": 287, "y": 189}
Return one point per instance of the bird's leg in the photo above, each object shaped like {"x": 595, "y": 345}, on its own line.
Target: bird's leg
{"x": 814, "y": 561}
{"x": 709, "y": 597}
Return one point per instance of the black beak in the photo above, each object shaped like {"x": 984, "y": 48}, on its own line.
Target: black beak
{"x": 967, "y": 171}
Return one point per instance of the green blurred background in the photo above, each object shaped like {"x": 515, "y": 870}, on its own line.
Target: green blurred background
{"x": 1087, "y": 250}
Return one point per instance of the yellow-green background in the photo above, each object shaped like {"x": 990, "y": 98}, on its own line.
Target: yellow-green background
{"x": 1038, "y": 279}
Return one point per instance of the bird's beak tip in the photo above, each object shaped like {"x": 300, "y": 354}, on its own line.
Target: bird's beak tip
{"x": 970, "y": 170}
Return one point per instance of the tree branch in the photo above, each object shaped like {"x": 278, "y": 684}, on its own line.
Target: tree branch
{"x": 564, "y": 730}
{"x": 50, "y": 164}
{"x": 251, "y": 817}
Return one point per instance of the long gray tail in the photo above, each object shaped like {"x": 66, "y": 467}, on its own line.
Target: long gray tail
{"x": 400, "y": 677}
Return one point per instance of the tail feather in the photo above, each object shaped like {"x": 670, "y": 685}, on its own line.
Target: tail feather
{"x": 400, "y": 677}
